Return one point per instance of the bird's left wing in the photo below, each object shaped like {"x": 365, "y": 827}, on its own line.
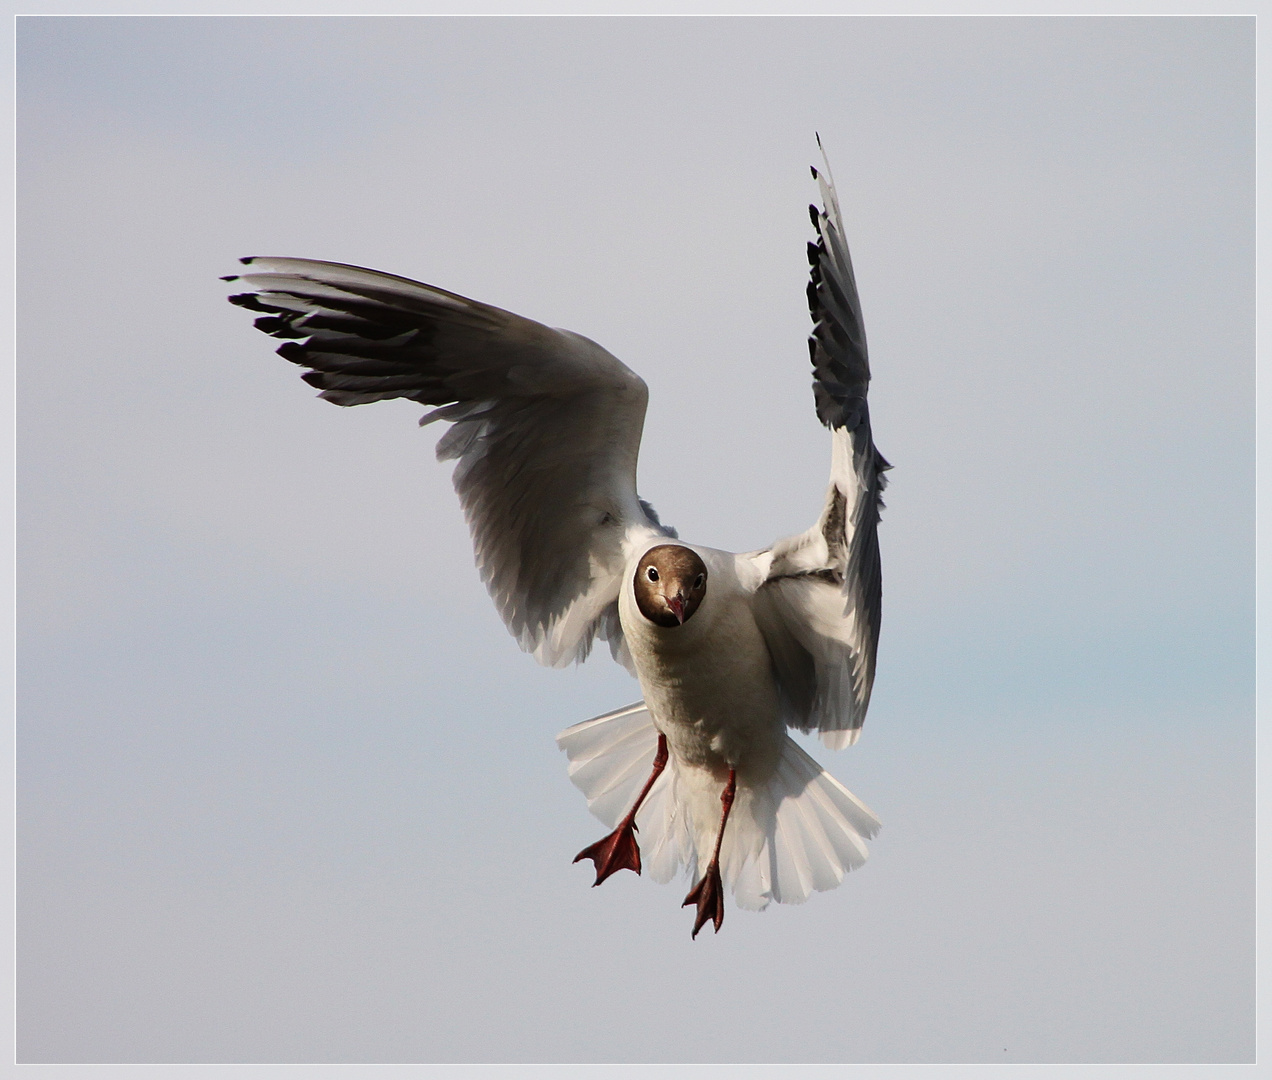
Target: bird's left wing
{"x": 546, "y": 430}
{"x": 818, "y": 600}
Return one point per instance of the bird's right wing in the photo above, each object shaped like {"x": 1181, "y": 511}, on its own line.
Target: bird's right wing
{"x": 819, "y": 602}
{"x": 546, "y": 431}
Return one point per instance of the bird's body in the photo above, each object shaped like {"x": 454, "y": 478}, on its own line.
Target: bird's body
{"x": 730, "y": 650}
{"x": 708, "y": 684}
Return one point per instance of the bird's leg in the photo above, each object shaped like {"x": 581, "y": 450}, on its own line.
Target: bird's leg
{"x": 618, "y": 851}
{"x": 708, "y": 894}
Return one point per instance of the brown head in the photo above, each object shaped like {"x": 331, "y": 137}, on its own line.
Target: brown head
{"x": 670, "y": 583}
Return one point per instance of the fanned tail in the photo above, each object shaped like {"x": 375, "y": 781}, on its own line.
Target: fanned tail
{"x": 796, "y": 831}
{"x": 811, "y": 831}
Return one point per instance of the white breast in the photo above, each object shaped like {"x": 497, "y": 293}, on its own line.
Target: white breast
{"x": 709, "y": 684}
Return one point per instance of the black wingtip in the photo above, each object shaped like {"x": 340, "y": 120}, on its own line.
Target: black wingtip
{"x": 247, "y": 260}
{"x": 813, "y": 216}
{"x": 813, "y": 169}
{"x": 230, "y": 277}
{"x": 298, "y": 354}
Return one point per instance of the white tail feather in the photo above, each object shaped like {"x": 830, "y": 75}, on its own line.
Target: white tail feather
{"x": 610, "y": 759}
{"x": 795, "y": 832}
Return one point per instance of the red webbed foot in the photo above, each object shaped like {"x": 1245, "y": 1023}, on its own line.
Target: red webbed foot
{"x": 708, "y": 894}
{"x": 616, "y": 852}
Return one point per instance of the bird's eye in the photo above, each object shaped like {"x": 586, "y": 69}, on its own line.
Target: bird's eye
{"x": 699, "y": 581}
{"x": 652, "y": 574}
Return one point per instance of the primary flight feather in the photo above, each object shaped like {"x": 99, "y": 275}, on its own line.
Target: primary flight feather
{"x": 730, "y": 649}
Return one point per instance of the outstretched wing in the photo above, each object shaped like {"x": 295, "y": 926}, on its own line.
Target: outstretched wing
{"x": 546, "y": 430}
{"x": 818, "y": 605}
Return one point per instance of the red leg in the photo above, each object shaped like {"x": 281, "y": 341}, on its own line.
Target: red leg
{"x": 618, "y": 851}
{"x": 708, "y": 894}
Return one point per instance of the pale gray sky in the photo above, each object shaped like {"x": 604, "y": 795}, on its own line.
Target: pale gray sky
{"x": 288, "y": 790}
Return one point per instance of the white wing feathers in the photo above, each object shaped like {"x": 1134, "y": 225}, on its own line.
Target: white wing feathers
{"x": 819, "y": 604}
{"x": 546, "y": 431}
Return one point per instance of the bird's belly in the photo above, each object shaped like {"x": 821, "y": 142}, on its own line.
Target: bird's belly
{"x": 717, "y": 705}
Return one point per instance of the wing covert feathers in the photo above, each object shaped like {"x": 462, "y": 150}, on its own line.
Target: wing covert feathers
{"x": 545, "y": 431}
{"x": 820, "y": 605}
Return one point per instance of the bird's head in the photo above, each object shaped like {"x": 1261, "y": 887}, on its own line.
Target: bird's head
{"x": 670, "y": 583}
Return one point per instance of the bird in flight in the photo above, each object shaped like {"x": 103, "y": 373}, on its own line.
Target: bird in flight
{"x": 730, "y": 650}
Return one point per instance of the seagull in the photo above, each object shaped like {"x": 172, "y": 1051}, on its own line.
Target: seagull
{"x": 731, "y": 650}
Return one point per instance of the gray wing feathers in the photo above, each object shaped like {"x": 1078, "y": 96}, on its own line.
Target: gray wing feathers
{"x": 546, "y": 430}
{"x": 542, "y": 482}
{"x": 820, "y": 604}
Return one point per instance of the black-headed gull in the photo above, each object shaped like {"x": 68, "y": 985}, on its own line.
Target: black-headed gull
{"x": 730, "y": 650}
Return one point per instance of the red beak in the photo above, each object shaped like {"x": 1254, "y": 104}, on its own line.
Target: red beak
{"x": 677, "y": 606}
